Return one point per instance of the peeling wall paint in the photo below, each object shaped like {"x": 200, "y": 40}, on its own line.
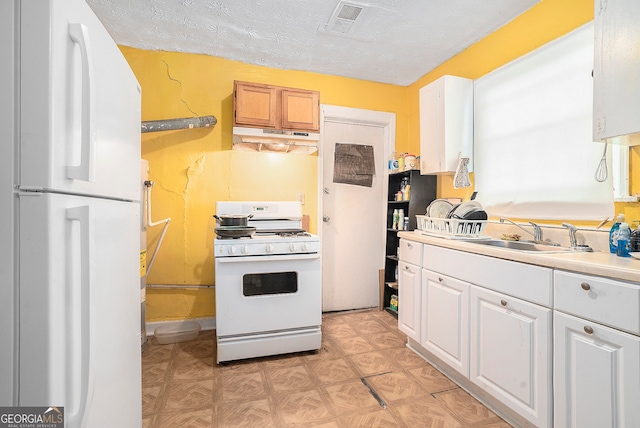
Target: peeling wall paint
{"x": 194, "y": 168}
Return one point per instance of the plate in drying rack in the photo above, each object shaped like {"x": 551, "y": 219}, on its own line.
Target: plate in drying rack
{"x": 461, "y": 210}
{"x": 439, "y": 208}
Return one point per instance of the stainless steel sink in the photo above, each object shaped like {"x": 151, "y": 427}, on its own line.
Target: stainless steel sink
{"x": 524, "y": 246}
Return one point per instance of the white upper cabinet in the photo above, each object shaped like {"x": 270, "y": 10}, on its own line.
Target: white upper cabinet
{"x": 616, "y": 86}
{"x": 446, "y": 124}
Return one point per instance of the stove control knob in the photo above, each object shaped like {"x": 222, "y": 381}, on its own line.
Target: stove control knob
{"x": 245, "y": 249}
{"x": 232, "y": 250}
{"x": 270, "y": 248}
{"x": 305, "y": 247}
{"x": 292, "y": 248}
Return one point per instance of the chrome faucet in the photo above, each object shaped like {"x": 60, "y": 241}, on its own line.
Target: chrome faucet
{"x": 537, "y": 231}
{"x": 573, "y": 242}
{"x": 572, "y": 234}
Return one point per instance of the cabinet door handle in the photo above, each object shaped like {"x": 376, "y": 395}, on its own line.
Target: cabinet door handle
{"x": 503, "y": 302}
{"x": 588, "y": 329}
{"x": 409, "y": 246}
{"x": 585, "y": 286}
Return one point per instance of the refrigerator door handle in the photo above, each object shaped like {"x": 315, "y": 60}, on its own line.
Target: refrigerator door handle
{"x": 79, "y": 34}
{"x": 83, "y": 214}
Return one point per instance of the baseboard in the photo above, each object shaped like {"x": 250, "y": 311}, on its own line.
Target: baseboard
{"x": 205, "y": 324}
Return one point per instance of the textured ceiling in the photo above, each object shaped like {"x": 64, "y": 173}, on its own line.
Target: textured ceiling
{"x": 392, "y": 41}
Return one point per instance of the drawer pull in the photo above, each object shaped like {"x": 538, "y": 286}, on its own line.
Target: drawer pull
{"x": 588, "y": 329}
{"x": 503, "y": 302}
{"x": 409, "y": 246}
{"x": 585, "y": 286}
{"x": 440, "y": 279}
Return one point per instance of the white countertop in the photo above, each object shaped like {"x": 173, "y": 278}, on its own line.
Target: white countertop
{"x": 594, "y": 263}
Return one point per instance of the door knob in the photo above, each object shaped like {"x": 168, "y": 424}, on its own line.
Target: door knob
{"x": 326, "y": 218}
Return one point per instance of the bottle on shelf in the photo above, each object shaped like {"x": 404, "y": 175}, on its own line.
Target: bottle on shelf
{"x": 393, "y": 162}
{"x": 396, "y": 218}
{"x": 403, "y": 188}
{"x": 401, "y": 219}
{"x": 401, "y": 162}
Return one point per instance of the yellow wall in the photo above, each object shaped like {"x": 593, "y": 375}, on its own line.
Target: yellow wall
{"x": 193, "y": 169}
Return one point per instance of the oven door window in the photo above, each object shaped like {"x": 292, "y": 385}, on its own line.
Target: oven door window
{"x": 259, "y": 284}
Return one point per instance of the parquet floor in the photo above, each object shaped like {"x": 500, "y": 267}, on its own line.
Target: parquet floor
{"x": 183, "y": 387}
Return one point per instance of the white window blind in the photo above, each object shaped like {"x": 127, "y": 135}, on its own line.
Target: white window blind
{"x": 533, "y": 147}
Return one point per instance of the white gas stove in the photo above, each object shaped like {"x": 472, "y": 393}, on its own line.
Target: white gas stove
{"x": 268, "y": 286}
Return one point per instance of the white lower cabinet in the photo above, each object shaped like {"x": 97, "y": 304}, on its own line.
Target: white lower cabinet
{"x": 596, "y": 375}
{"x": 596, "y": 368}
{"x": 445, "y": 319}
{"x": 542, "y": 347}
{"x": 511, "y": 344}
{"x": 409, "y": 299}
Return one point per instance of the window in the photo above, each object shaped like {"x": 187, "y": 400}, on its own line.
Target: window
{"x": 534, "y": 154}
{"x": 620, "y": 173}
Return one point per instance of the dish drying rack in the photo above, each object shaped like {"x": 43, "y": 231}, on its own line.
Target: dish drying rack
{"x": 451, "y": 227}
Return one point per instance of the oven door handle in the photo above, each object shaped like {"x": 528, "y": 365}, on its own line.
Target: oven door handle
{"x": 278, "y": 257}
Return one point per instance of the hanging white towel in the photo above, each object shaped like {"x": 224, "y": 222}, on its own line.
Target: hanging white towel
{"x": 461, "y": 177}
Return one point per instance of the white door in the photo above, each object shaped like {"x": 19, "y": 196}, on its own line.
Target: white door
{"x": 353, "y": 228}
{"x": 80, "y": 308}
{"x": 511, "y": 353}
{"x": 409, "y": 300}
{"x": 445, "y": 319}
{"x": 79, "y": 104}
{"x": 596, "y": 376}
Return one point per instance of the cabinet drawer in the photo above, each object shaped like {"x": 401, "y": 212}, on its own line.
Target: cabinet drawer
{"x": 614, "y": 303}
{"x": 410, "y": 252}
{"x": 527, "y": 282}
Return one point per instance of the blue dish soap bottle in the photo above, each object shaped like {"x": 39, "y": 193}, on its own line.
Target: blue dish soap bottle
{"x": 613, "y": 233}
{"x": 624, "y": 234}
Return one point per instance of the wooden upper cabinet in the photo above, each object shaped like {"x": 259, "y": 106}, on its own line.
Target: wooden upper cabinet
{"x": 300, "y": 109}
{"x": 255, "y": 105}
{"x": 276, "y": 107}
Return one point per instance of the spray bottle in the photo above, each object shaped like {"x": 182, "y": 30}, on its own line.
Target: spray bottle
{"x": 613, "y": 233}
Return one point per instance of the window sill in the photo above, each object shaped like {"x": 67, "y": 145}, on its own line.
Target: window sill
{"x": 627, "y": 199}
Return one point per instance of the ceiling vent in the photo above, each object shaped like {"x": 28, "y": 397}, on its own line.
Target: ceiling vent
{"x": 343, "y": 18}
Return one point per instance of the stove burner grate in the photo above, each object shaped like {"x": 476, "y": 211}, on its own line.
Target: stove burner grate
{"x": 293, "y": 234}
{"x": 285, "y": 233}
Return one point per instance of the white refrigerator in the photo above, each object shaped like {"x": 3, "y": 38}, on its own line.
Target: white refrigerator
{"x": 69, "y": 216}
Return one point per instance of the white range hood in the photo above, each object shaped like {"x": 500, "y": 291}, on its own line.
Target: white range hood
{"x": 275, "y": 141}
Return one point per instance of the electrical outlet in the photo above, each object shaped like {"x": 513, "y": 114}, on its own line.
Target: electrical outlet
{"x": 301, "y": 197}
